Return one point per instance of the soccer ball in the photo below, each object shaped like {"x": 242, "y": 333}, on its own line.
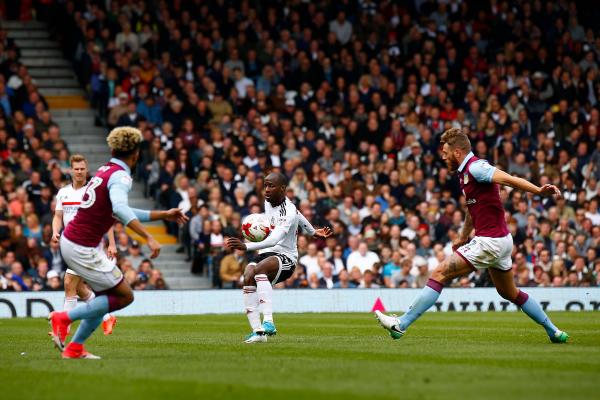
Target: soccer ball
{"x": 256, "y": 227}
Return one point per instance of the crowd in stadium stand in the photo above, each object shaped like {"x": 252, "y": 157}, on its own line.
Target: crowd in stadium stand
{"x": 34, "y": 165}
{"x": 349, "y": 99}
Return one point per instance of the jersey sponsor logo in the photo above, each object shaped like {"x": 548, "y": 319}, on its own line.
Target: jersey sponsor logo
{"x": 471, "y": 202}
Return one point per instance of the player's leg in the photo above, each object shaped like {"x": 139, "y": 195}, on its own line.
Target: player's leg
{"x": 112, "y": 299}
{"x": 251, "y": 302}
{"x": 72, "y": 282}
{"x": 449, "y": 269}
{"x": 103, "y": 276}
{"x": 267, "y": 271}
{"x": 505, "y": 285}
{"x": 91, "y": 316}
{"x": 109, "y": 321}
{"x": 251, "y": 296}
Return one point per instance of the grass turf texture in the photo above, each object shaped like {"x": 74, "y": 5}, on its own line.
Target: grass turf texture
{"x": 333, "y": 356}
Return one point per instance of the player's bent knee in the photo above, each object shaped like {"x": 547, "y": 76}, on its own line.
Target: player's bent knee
{"x": 130, "y": 297}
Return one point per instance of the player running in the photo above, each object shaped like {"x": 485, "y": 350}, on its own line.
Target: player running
{"x": 278, "y": 255}
{"x": 105, "y": 196}
{"x": 492, "y": 245}
{"x": 68, "y": 200}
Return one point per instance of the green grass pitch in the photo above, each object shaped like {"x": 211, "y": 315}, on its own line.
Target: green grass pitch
{"x": 332, "y": 356}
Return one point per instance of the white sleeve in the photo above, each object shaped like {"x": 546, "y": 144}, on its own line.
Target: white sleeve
{"x": 282, "y": 227}
{"x": 305, "y": 225}
{"x": 59, "y": 205}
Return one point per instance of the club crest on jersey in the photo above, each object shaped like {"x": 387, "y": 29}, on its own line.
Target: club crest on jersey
{"x": 466, "y": 178}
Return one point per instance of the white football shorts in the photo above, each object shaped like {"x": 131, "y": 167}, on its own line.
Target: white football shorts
{"x": 91, "y": 264}
{"x": 487, "y": 252}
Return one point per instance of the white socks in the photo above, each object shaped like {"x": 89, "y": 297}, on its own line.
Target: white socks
{"x": 70, "y": 303}
{"x": 265, "y": 296}
{"x": 251, "y": 306}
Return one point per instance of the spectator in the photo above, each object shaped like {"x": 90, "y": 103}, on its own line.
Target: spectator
{"x": 362, "y": 258}
{"x": 232, "y": 268}
{"x": 327, "y": 280}
{"x": 359, "y": 123}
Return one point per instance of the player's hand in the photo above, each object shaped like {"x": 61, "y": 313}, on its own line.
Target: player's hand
{"x": 154, "y": 247}
{"x": 55, "y": 238}
{"x": 323, "y": 232}
{"x": 176, "y": 215}
{"x": 111, "y": 251}
{"x": 457, "y": 243}
{"x": 550, "y": 190}
{"x": 235, "y": 244}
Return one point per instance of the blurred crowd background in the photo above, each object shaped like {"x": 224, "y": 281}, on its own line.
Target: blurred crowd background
{"x": 348, "y": 98}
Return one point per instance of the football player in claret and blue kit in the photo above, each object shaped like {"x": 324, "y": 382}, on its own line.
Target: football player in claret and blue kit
{"x": 105, "y": 199}
{"x": 489, "y": 249}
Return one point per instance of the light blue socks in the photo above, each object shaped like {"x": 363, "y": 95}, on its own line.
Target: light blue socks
{"x": 426, "y": 299}
{"x": 95, "y": 308}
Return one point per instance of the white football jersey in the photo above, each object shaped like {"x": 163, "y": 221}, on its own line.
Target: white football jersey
{"x": 68, "y": 201}
{"x": 285, "y": 220}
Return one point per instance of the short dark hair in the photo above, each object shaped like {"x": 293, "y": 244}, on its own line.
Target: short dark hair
{"x": 456, "y": 138}
{"x": 279, "y": 178}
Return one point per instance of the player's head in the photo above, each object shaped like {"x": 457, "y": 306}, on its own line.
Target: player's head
{"x": 455, "y": 146}
{"x": 79, "y": 169}
{"x": 124, "y": 143}
{"x": 275, "y": 186}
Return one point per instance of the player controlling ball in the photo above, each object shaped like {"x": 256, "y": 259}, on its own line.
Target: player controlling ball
{"x": 278, "y": 255}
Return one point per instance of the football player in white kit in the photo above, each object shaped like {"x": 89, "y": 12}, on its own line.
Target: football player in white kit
{"x": 68, "y": 200}
{"x": 278, "y": 255}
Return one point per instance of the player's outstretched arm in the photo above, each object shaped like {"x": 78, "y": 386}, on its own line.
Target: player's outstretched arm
{"x": 311, "y": 230}
{"x": 502, "y": 178}
{"x": 119, "y": 185}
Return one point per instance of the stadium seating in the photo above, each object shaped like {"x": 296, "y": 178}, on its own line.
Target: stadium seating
{"x": 349, "y": 102}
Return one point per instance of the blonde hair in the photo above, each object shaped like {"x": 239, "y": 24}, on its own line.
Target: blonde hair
{"x": 77, "y": 158}
{"x": 124, "y": 140}
{"x": 456, "y": 138}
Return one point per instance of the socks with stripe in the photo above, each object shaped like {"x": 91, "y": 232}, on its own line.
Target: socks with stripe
{"x": 426, "y": 299}
{"x": 265, "y": 296}
{"x": 251, "y": 306}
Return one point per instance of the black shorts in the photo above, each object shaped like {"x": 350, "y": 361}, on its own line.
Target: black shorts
{"x": 286, "y": 265}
